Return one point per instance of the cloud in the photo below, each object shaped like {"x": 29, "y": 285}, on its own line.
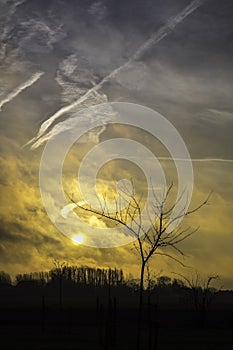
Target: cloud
{"x": 26, "y": 229}
{"x": 20, "y": 88}
{"x": 186, "y": 77}
{"x": 153, "y": 40}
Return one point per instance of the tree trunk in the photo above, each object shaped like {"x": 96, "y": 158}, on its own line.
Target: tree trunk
{"x": 60, "y": 293}
{"x": 140, "y": 306}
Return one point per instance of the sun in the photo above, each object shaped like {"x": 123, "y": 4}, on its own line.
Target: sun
{"x": 78, "y": 239}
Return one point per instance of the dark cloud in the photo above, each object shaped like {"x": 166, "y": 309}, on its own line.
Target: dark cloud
{"x": 187, "y": 77}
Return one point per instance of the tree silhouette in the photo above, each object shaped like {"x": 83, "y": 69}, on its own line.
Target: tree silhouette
{"x": 202, "y": 293}
{"x": 148, "y": 242}
{"x": 5, "y": 278}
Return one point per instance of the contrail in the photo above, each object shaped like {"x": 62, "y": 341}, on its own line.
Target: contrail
{"x": 201, "y": 160}
{"x": 154, "y": 39}
{"x": 223, "y": 160}
{"x": 167, "y": 28}
{"x": 20, "y": 88}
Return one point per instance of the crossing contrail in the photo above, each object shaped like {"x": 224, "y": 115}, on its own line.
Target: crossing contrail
{"x": 20, "y": 88}
{"x": 201, "y": 160}
{"x": 154, "y": 39}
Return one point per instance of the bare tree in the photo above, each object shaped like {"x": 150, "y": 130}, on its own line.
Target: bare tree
{"x": 203, "y": 293}
{"x": 58, "y": 272}
{"x": 148, "y": 241}
{"x": 5, "y": 278}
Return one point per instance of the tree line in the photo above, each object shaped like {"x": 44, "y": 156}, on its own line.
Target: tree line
{"x": 81, "y": 275}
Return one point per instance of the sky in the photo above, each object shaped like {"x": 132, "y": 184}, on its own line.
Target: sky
{"x": 58, "y": 57}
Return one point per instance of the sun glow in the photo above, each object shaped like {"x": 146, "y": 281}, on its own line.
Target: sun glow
{"x": 78, "y": 239}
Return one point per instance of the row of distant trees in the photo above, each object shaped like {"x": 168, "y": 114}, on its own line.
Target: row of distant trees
{"x": 82, "y": 275}
{"x": 97, "y": 277}
{"x": 200, "y": 291}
